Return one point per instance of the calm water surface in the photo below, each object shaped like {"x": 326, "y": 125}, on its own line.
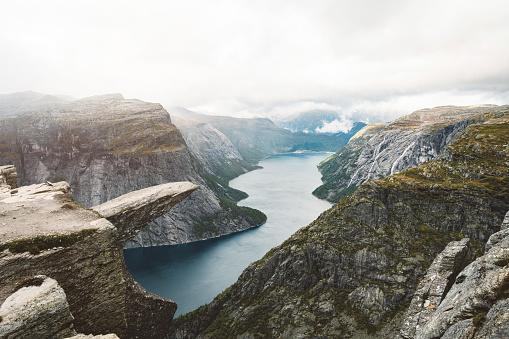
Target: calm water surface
{"x": 193, "y": 274}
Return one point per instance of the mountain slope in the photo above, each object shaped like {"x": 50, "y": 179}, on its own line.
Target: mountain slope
{"x": 353, "y": 271}
{"x": 379, "y": 150}
{"x": 106, "y": 146}
{"x": 256, "y": 139}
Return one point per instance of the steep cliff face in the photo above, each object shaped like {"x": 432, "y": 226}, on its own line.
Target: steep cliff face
{"x": 45, "y": 232}
{"x": 353, "y": 271}
{"x": 470, "y": 303}
{"x": 107, "y": 146}
{"x": 380, "y": 150}
{"x": 219, "y": 160}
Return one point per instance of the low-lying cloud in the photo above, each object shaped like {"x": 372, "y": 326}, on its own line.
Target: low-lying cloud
{"x": 336, "y": 126}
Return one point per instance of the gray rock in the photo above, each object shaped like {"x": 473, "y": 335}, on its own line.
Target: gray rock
{"x": 102, "y": 295}
{"x": 36, "y": 311}
{"x": 461, "y": 330}
{"x": 496, "y": 324}
{"x": 439, "y": 278}
{"x": 476, "y": 290}
{"x": 133, "y": 211}
{"x": 505, "y": 223}
{"x": 8, "y": 177}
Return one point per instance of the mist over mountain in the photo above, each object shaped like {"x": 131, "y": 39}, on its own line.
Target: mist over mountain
{"x": 320, "y": 121}
{"x": 20, "y": 102}
{"x": 260, "y": 137}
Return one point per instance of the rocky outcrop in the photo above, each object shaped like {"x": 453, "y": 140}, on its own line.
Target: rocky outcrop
{"x": 354, "y": 270}
{"x": 380, "y": 150}
{"x": 133, "y": 211}
{"x": 45, "y": 232}
{"x": 107, "y": 146}
{"x": 39, "y": 310}
{"x": 434, "y": 286}
{"x": 476, "y": 306}
{"x": 8, "y": 177}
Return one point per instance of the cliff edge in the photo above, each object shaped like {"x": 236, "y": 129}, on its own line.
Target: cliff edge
{"x": 45, "y": 232}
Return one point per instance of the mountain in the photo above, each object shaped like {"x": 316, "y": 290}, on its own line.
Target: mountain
{"x": 106, "y": 146}
{"x": 353, "y": 271}
{"x": 379, "y": 150}
{"x": 256, "y": 139}
{"x": 320, "y": 121}
{"x": 17, "y": 103}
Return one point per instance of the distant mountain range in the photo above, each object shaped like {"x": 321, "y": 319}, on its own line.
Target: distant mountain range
{"x": 20, "y": 102}
{"x": 258, "y": 138}
{"x": 320, "y": 122}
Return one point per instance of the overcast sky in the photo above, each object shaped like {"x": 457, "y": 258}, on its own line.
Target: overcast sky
{"x": 375, "y": 59}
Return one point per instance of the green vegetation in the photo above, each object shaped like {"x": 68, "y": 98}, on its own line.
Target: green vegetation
{"x": 207, "y": 224}
{"x": 43, "y": 242}
{"x": 502, "y": 262}
{"x": 69, "y": 203}
{"x": 479, "y": 319}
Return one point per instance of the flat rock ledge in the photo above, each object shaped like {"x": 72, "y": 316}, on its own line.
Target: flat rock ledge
{"x": 44, "y": 232}
{"x": 133, "y": 211}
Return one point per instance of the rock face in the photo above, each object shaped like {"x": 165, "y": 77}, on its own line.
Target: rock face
{"x": 39, "y": 310}
{"x": 354, "y": 270}
{"x": 380, "y": 150}
{"x": 434, "y": 286}
{"x": 107, "y": 146}
{"x": 45, "y": 232}
{"x": 475, "y": 306}
{"x": 213, "y": 150}
{"x": 8, "y": 177}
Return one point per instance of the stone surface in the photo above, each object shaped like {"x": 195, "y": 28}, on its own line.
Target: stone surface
{"x": 37, "y": 311}
{"x": 133, "y": 211}
{"x": 439, "y": 278}
{"x": 41, "y": 209}
{"x": 505, "y": 223}
{"x": 480, "y": 288}
{"x": 461, "y": 330}
{"x": 102, "y": 295}
{"x": 496, "y": 324}
{"x": 8, "y": 177}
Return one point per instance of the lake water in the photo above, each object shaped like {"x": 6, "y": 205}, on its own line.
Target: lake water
{"x": 193, "y": 274}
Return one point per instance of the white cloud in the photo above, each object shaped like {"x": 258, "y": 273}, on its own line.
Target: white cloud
{"x": 261, "y": 57}
{"x": 336, "y": 126}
